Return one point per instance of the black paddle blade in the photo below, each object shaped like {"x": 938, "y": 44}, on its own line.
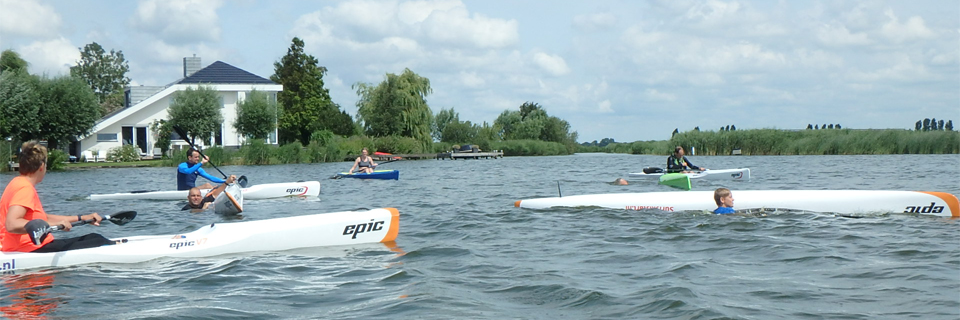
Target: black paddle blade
{"x": 38, "y": 230}
{"x": 181, "y": 133}
{"x": 242, "y": 180}
{"x": 122, "y": 217}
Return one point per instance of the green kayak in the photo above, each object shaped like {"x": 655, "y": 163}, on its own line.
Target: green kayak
{"x": 676, "y": 180}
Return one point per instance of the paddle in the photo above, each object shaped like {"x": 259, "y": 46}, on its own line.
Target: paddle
{"x": 38, "y": 229}
{"x": 338, "y": 176}
{"x": 242, "y": 180}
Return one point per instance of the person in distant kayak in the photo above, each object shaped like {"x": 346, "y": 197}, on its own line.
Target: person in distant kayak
{"x": 724, "y": 199}
{"x": 188, "y": 171}
{"x": 196, "y": 201}
{"x": 364, "y": 163}
{"x": 20, "y": 204}
{"x": 677, "y": 162}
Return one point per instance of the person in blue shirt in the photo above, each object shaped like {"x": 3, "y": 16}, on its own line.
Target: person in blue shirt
{"x": 724, "y": 199}
{"x": 678, "y": 162}
{"x": 188, "y": 171}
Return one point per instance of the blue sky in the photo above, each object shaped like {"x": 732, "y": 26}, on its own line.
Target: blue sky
{"x": 628, "y": 70}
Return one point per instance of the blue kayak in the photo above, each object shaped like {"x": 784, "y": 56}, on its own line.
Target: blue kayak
{"x": 377, "y": 174}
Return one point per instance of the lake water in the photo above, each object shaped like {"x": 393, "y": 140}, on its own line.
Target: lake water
{"x": 464, "y": 251}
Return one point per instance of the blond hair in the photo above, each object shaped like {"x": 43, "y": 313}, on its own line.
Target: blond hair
{"x": 720, "y": 193}
{"x": 32, "y": 156}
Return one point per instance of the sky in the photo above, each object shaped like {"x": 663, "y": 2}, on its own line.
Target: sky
{"x": 627, "y": 70}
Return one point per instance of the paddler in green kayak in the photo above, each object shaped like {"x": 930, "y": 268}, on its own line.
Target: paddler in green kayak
{"x": 677, "y": 162}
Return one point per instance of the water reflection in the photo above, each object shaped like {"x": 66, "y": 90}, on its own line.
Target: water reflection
{"x": 28, "y": 299}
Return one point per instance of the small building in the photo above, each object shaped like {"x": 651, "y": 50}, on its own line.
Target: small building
{"x": 145, "y": 104}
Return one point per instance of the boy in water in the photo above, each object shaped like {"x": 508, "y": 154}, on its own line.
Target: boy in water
{"x": 724, "y": 199}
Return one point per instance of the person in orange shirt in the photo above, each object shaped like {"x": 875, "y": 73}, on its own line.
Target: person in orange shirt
{"x": 20, "y": 203}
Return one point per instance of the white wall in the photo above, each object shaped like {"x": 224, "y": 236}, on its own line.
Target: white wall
{"x": 155, "y": 108}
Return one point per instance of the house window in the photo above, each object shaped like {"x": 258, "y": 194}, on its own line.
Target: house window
{"x": 106, "y": 137}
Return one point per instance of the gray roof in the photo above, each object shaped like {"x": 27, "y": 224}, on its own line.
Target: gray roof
{"x": 221, "y": 72}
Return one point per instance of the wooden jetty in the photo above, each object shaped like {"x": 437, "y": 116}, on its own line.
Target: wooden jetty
{"x": 470, "y": 155}
{"x": 439, "y": 156}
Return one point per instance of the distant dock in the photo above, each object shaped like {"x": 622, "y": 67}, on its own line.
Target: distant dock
{"x": 439, "y": 156}
{"x": 470, "y": 155}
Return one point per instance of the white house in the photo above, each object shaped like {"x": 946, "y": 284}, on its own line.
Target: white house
{"x": 145, "y": 104}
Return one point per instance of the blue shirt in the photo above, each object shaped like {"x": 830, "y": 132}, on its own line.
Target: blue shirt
{"x": 187, "y": 176}
{"x": 724, "y": 210}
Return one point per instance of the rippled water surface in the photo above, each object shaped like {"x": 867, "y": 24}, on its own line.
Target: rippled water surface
{"x": 464, "y": 251}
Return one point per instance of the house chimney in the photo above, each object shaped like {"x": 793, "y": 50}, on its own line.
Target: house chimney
{"x": 190, "y": 65}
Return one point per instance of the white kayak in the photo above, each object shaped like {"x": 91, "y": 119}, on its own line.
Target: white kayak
{"x": 254, "y": 192}
{"x": 316, "y": 230}
{"x": 832, "y": 201}
{"x": 719, "y": 174}
{"x": 230, "y": 201}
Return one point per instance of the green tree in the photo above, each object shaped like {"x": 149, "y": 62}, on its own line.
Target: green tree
{"x": 528, "y": 109}
{"x": 305, "y": 105}
{"x": 68, "y": 109}
{"x": 197, "y": 111}
{"x": 396, "y": 107}
{"x": 10, "y": 61}
{"x": 105, "y": 73}
{"x": 460, "y": 132}
{"x": 256, "y": 115}
{"x": 441, "y": 120}
{"x": 335, "y": 119}
{"x": 162, "y": 130}
{"x": 19, "y": 105}
{"x": 532, "y": 122}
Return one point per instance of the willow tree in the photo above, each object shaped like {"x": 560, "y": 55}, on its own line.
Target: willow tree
{"x": 396, "y": 107}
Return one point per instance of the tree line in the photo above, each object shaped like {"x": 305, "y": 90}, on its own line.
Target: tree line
{"x": 818, "y": 127}
{"x": 63, "y": 108}
{"x": 934, "y": 125}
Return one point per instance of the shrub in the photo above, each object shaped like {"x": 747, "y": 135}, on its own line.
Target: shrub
{"x": 256, "y": 151}
{"x": 291, "y": 153}
{"x": 216, "y": 155}
{"x": 55, "y": 160}
{"x": 125, "y": 153}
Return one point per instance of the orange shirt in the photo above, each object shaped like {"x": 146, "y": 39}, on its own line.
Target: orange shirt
{"x": 20, "y": 192}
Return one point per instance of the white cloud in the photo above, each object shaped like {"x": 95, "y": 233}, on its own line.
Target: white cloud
{"x": 839, "y": 36}
{"x": 595, "y": 21}
{"x": 53, "y": 57}
{"x": 709, "y": 55}
{"x": 901, "y": 68}
{"x": 456, "y": 27}
{"x": 179, "y": 21}
{"x": 819, "y": 59}
{"x": 554, "y": 65}
{"x": 706, "y": 79}
{"x": 712, "y": 12}
{"x": 604, "y": 106}
{"x": 471, "y": 80}
{"x": 446, "y": 23}
{"x": 654, "y": 94}
{"x": 28, "y": 18}
{"x": 913, "y": 29}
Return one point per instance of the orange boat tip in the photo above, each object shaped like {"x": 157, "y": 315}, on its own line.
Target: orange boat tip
{"x": 517, "y": 203}
{"x": 394, "y": 225}
{"x": 393, "y": 211}
{"x": 950, "y": 199}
